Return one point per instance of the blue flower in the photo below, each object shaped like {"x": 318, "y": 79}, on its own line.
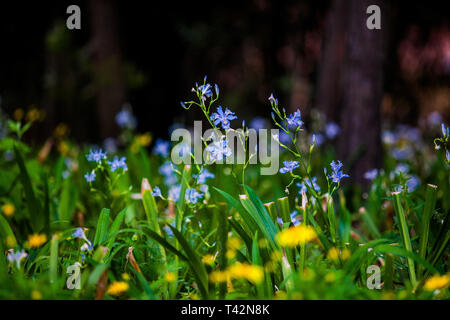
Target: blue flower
{"x": 204, "y": 90}
{"x": 204, "y": 188}
{"x": 258, "y": 123}
{"x": 332, "y": 130}
{"x": 434, "y": 118}
{"x": 168, "y": 231}
{"x": 389, "y": 137}
{"x": 371, "y": 174}
{"x": 174, "y": 193}
{"x": 317, "y": 138}
{"x": 280, "y": 221}
{"x": 184, "y": 150}
{"x": 413, "y": 183}
{"x": 447, "y": 155}
{"x": 90, "y": 177}
{"x": 125, "y": 118}
{"x": 87, "y": 247}
{"x": 222, "y": 117}
{"x": 303, "y": 185}
{"x": 403, "y": 153}
{"x": 445, "y": 130}
{"x": 193, "y": 195}
{"x": 79, "y": 233}
{"x": 401, "y": 168}
{"x": 110, "y": 145}
{"x": 273, "y": 100}
{"x": 218, "y": 150}
{"x": 167, "y": 171}
{"x": 16, "y": 256}
{"x": 337, "y": 173}
{"x": 118, "y": 163}
{"x": 289, "y": 166}
{"x": 156, "y": 192}
{"x": 204, "y": 175}
{"x": 96, "y": 155}
{"x": 295, "y": 219}
{"x": 294, "y": 120}
{"x": 216, "y": 88}
{"x": 161, "y": 147}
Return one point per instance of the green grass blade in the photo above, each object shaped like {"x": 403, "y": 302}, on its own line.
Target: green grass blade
{"x": 197, "y": 267}
{"x": 54, "y": 259}
{"x": 283, "y": 206}
{"x": 34, "y": 207}
{"x": 115, "y": 227}
{"x": 6, "y": 231}
{"x": 403, "y": 226}
{"x": 185, "y": 176}
{"x": 271, "y": 208}
{"x": 102, "y": 227}
{"x": 332, "y": 219}
{"x": 430, "y": 203}
{"x": 389, "y": 272}
{"x": 222, "y": 236}
{"x": 152, "y": 234}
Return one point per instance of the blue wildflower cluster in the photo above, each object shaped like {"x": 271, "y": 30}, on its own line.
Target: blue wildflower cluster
{"x": 97, "y": 156}
{"x": 337, "y": 174}
{"x": 162, "y": 148}
{"x": 442, "y": 143}
{"x": 125, "y": 118}
{"x": 223, "y": 117}
{"x": 289, "y": 166}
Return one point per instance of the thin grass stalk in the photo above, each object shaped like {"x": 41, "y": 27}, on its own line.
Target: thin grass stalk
{"x": 430, "y": 203}
{"x": 403, "y": 226}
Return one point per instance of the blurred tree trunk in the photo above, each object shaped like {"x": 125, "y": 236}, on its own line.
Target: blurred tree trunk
{"x": 110, "y": 88}
{"x": 362, "y": 90}
{"x": 328, "y": 97}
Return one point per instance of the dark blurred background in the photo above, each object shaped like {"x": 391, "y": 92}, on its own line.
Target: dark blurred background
{"x": 314, "y": 55}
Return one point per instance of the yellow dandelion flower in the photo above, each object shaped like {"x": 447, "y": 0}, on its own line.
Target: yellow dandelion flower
{"x": 61, "y": 130}
{"x": 195, "y": 296}
{"x": 308, "y": 274}
{"x": 125, "y": 276}
{"x": 280, "y": 295}
{"x": 34, "y": 115}
{"x": 263, "y": 243}
{"x": 345, "y": 254}
{"x": 389, "y": 295}
{"x": 276, "y": 256}
{"x": 333, "y": 254}
{"x": 8, "y": 209}
{"x": 330, "y": 277}
{"x": 18, "y": 114}
{"x": 270, "y": 266}
{"x": 36, "y": 295}
{"x": 230, "y": 254}
{"x": 117, "y": 288}
{"x": 218, "y": 276}
{"x": 170, "y": 277}
{"x": 437, "y": 282}
{"x": 10, "y": 242}
{"x": 252, "y": 273}
{"x": 144, "y": 139}
{"x": 295, "y": 236}
{"x": 208, "y": 259}
{"x": 234, "y": 243}
{"x": 36, "y": 240}
{"x": 63, "y": 148}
